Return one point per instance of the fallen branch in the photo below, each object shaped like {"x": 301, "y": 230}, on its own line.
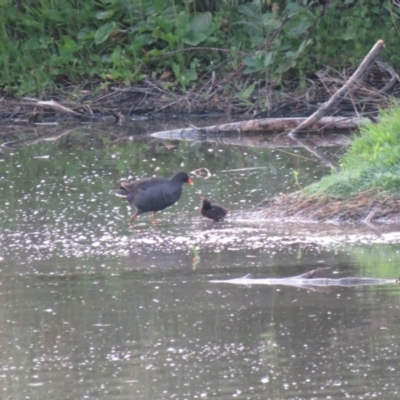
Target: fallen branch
{"x": 394, "y": 77}
{"x": 266, "y": 125}
{"x": 342, "y": 92}
{"x": 53, "y": 105}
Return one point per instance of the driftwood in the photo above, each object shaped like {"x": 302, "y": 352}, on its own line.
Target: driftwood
{"x": 308, "y": 280}
{"x": 266, "y": 125}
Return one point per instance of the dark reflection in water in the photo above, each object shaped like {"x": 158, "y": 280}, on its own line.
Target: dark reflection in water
{"x": 91, "y": 310}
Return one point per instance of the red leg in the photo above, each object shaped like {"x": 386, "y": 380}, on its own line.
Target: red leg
{"x": 154, "y": 218}
{"x": 132, "y": 218}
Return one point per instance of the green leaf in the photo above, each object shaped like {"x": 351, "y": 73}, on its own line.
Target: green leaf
{"x": 69, "y": 45}
{"x": 200, "y": 22}
{"x": 104, "y": 32}
{"x": 251, "y": 61}
{"x": 169, "y": 37}
{"x": 194, "y": 39}
{"x": 154, "y": 53}
{"x": 269, "y": 58}
{"x": 103, "y": 15}
{"x": 193, "y": 29}
{"x": 159, "y": 5}
{"x": 54, "y": 15}
{"x": 303, "y": 45}
{"x": 250, "y": 10}
{"x": 185, "y": 76}
{"x": 292, "y": 9}
{"x": 270, "y": 22}
{"x": 188, "y": 76}
{"x": 299, "y": 28}
{"x": 116, "y": 56}
{"x": 86, "y": 34}
{"x": 245, "y": 94}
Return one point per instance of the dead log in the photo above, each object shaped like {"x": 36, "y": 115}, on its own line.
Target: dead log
{"x": 266, "y": 125}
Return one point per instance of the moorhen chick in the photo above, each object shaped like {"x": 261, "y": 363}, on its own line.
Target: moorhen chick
{"x": 153, "y": 194}
{"x": 212, "y": 211}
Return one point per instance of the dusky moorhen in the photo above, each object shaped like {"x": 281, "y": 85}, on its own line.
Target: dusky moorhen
{"x": 153, "y": 194}
{"x": 212, "y": 211}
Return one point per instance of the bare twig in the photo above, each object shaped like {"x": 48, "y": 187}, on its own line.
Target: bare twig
{"x": 53, "y": 105}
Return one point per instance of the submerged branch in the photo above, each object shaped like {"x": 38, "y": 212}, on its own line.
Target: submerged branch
{"x": 308, "y": 280}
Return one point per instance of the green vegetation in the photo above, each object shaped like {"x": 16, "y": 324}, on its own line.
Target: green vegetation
{"x": 372, "y": 162}
{"x": 47, "y": 45}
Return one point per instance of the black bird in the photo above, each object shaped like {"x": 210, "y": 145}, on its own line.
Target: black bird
{"x": 153, "y": 194}
{"x": 212, "y": 211}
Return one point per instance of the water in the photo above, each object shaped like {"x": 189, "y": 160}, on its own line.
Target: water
{"x": 93, "y": 309}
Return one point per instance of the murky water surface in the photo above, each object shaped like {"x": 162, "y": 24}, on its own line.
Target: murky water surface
{"x": 93, "y": 309}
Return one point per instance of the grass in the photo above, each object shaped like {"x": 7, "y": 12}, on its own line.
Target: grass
{"x": 372, "y": 161}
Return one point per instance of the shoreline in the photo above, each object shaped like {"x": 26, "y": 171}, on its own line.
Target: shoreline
{"x": 367, "y": 207}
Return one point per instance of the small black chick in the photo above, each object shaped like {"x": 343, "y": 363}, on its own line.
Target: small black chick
{"x": 212, "y": 211}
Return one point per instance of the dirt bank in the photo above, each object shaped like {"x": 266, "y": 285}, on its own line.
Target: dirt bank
{"x": 210, "y": 98}
{"x": 368, "y": 206}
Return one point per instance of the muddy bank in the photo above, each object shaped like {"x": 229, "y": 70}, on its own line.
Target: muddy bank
{"x": 118, "y": 105}
{"x": 364, "y": 207}
{"x": 152, "y": 99}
